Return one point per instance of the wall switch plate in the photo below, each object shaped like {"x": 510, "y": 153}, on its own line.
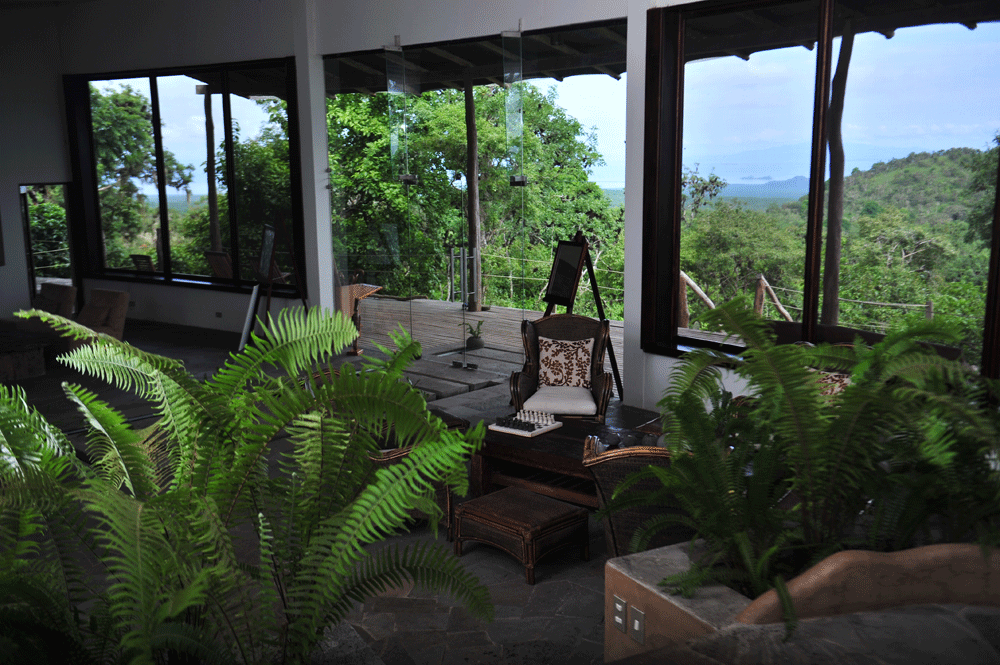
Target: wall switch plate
{"x": 620, "y": 613}
{"x": 637, "y": 625}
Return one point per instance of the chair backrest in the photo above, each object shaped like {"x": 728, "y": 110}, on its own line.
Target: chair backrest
{"x": 56, "y": 299}
{"x": 143, "y": 262}
{"x": 609, "y": 468}
{"x": 105, "y": 312}
{"x": 220, "y": 264}
{"x": 568, "y": 327}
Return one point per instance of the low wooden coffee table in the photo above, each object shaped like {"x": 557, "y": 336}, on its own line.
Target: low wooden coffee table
{"x": 523, "y": 524}
{"x": 552, "y": 463}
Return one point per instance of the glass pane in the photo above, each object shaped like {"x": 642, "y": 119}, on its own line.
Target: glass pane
{"x": 191, "y": 123}
{"x": 746, "y": 156}
{"x": 513, "y": 274}
{"x": 124, "y": 153}
{"x": 259, "y": 200}
{"x": 920, "y": 115}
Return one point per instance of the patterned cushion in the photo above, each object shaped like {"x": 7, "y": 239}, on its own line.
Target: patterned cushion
{"x": 833, "y": 383}
{"x": 564, "y": 363}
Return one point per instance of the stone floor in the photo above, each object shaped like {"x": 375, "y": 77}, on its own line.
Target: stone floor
{"x": 559, "y": 619}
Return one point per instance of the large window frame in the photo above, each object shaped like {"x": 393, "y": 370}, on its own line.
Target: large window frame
{"x": 83, "y": 194}
{"x": 662, "y": 197}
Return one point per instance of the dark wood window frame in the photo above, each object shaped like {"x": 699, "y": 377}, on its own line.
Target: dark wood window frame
{"x": 82, "y": 195}
{"x": 662, "y": 170}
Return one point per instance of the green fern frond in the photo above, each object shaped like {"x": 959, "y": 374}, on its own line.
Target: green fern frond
{"x": 407, "y": 350}
{"x": 113, "y": 446}
{"x": 27, "y": 439}
{"x": 424, "y": 564}
{"x": 299, "y": 340}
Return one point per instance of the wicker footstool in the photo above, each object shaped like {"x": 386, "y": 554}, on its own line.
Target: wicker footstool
{"x": 526, "y": 525}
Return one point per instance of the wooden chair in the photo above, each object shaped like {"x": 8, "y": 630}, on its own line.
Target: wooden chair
{"x": 104, "y": 312}
{"x": 143, "y": 262}
{"x": 532, "y": 389}
{"x": 348, "y": 300}
{"x": 56, "y": 299}
{"x": 220, "y": 263}
{"x": 53, "y": 298}
{"x": 609, "y": 468}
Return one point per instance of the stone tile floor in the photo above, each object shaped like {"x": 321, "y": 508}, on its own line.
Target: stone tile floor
{"x": 559, "y": 619}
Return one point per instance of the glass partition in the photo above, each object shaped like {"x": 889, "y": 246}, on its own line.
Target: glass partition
{"x": 454, "y": 175}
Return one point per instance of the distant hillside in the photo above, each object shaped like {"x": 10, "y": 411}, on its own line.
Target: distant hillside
{"x": 179, "y": 202}
{"x": 760, "y": 197}
{"x": 617, "y": 197}
{"x": 931, "y": 185}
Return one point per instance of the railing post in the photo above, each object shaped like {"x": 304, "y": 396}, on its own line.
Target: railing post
{"x": 463, "y": 280}
{"x": 451, "y": 273}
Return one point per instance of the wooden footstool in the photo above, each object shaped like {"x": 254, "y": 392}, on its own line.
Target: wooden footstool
{"x": 526, "y": 525}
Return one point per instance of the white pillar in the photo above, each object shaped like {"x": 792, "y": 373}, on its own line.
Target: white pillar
{"x": 318, "y": 259}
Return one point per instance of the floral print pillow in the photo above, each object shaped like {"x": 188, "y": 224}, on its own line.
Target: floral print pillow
{"x": 564, "y": 363}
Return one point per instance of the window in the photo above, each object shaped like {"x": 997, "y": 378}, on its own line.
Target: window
{"x": 834, "y": 162}
{"x": 183, "y": 170}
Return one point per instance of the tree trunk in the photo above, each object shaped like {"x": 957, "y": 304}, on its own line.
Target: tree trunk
{"x": 830, "y": 313}
{"x": 475, "y": 301}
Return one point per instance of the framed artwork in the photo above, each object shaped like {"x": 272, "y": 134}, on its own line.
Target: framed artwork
{"x": 565, "y": 275}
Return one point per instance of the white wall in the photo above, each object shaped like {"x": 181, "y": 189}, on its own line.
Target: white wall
{"x": 105, "y": 36}
{"x": 32, "y": 135}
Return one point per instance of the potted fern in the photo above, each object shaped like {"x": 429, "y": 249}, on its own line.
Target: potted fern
{"x": 234, "y": 528}
{"x": 475, "y": 339}
{"x": 773, "y": 483}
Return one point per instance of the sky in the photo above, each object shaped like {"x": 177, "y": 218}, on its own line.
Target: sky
{"x": 927, "y": 88}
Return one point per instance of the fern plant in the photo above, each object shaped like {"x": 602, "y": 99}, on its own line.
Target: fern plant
{"x": 235, "y": 527}
{"x": 778, "y": 481}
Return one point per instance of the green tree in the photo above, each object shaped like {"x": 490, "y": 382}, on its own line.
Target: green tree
{"x": 261, "y": 190}
{"x": 730, "y": 246}
{"x": 981, "y": 195}
{"x": 125, "y": 158}
{"x": 384, "y": 225}
{"x": 49, "y": 241}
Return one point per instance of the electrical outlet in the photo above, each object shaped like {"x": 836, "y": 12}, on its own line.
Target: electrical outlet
{"x": 637, "y": 625}
{"x": 620, "y": 613}
{"x": 218, "y": 315}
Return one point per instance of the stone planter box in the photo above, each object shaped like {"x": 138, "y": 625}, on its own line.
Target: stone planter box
{"x": 670, "y": 621}
{"x": 847, "y": 582}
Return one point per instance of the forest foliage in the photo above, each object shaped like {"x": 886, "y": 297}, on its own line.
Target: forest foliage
{"x": 915, "y": 229}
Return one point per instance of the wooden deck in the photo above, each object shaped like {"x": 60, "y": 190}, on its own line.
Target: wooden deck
{"x": 440, "y": 326}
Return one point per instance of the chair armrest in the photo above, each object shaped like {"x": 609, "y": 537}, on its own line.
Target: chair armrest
{"x": 523, "y": 385}
{"x": 600, "y": 388}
